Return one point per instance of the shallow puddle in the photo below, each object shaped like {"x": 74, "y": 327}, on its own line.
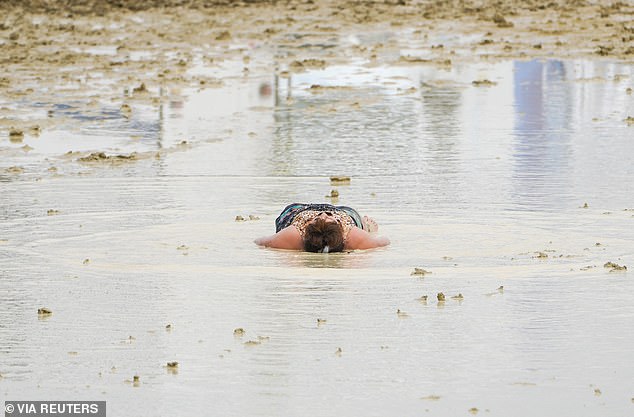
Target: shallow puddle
{"x": 516, "y": 174}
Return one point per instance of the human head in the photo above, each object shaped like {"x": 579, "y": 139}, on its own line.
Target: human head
{"x": 323, "y": 232}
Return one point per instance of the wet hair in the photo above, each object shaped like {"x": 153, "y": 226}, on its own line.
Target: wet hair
{"x": 323, "y": 236}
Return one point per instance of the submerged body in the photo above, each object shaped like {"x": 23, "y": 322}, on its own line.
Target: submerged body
{"x": 322, "y": 228}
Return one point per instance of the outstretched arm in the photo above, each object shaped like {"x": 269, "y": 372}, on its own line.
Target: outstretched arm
{"x": 360, "y": 239}
{"x": 288, "y": 238}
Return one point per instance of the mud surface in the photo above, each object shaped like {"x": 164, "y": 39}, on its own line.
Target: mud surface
{"x": 72, "y": 48}
{"x": 126, "y": 55}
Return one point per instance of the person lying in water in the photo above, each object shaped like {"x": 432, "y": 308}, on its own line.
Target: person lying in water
{"x": 322, "y": 228}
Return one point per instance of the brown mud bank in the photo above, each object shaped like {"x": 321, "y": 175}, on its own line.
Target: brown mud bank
{"x": 564, "y": 26}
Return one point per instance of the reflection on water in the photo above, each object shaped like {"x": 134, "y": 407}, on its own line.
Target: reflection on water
{"x": 481, "y": 185}
{"x": 543, "y": 130}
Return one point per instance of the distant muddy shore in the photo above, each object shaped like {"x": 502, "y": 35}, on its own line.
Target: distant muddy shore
{"x": 53, "y": 49}
{"x": 552, "y": 27}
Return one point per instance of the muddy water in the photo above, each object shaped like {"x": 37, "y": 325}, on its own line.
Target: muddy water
{"x": 524, "y": 182}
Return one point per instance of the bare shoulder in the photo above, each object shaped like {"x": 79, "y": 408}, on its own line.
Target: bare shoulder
{"x": 288, "y": 238}
{"x": 360, "y": 239}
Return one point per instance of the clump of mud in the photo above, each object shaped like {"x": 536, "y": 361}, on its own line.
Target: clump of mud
{"x": 420, "y": 272}
{"x": 15, "y": 170}
{"x": 339, "y": 180}
{"x": 401, "y": 314}
{"x": 16, "y": 135}
{"x": 483, "y": 83}
{"x": 43, "y": 312}
{"x": 102, "y": 157}
{"x": 615, "y": 267}
{"x": 310, "y": 63}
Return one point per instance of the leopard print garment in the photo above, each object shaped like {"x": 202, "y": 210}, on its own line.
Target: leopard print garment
{"x": 301, "y": 220}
